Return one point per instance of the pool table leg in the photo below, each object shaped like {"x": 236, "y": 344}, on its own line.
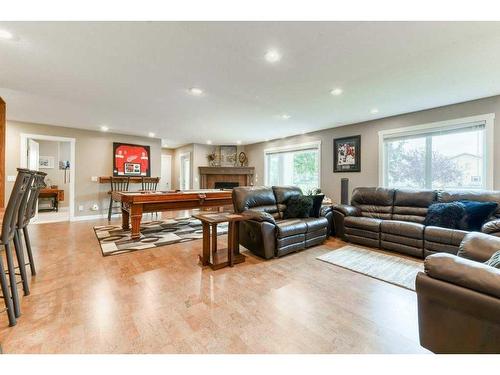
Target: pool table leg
{"x": 136, "y": 216}
{"x": 125, "y": 218}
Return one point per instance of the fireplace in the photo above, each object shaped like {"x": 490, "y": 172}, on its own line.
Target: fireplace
{"x": 225, "y": 185}
{"x": 225, "y": 177}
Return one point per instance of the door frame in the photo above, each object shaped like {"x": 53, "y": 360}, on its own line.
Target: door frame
{"x": 41, "y": 137}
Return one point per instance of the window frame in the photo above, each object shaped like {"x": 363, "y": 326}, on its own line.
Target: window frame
{"x": 458, "y": 123}
{"x": 292, "y": 148}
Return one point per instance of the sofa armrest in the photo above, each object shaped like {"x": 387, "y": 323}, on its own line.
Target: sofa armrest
{"x": 492, "y": 227}
{"x": 478, "y": 246}
{"x": 325, "y": 210}
{"x": 258, "y": 216}
{"x": 464, "y": 272}
{"x": 347, "y": 210}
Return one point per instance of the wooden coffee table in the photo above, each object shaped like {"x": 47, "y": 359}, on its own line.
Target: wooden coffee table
{"x": 211, "y": 255}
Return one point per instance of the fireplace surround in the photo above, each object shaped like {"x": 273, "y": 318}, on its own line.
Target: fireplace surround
{"x": 243, "y": 176}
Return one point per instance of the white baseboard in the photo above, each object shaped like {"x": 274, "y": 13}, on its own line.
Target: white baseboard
{"x": 92, "y": 217}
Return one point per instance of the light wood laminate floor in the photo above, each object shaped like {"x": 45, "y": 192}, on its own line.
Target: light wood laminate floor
{"x": 161, "y": 301}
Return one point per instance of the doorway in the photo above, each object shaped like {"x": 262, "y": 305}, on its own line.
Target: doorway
{"x": 56, "y": 157}
{"x": 185, "y": 171}
{"x": 166, "y": 173}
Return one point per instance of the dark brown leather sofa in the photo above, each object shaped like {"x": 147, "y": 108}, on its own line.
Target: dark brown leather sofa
{"x": 459, "y": 299}
{"x": 266, "y": 233}
{"x": 392, "y": 219}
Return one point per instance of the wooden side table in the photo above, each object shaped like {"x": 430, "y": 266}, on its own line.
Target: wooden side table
{"x": 211, "y": 255}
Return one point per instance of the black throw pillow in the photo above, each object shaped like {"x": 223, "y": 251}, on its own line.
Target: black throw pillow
{"x": 444, "y": 215}
{"x": 476, "y": 213}
{"x": 298, "y": 206}
{"x": 316, "y": 208}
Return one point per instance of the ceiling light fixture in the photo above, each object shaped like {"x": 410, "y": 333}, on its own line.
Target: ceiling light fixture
{"x": 374, "y": 111}
{"x": 195, "y": 91}
{"x": 104, "y": 128}
{"x": 337, "y": 91}
{"x": 4, "y": 34}
{"x": 238, "y": 142}
{"x": 285, "y": 116}
{"x": 272, "y": 56}
{"x": 151, "y": 134}
{"x": 209, "y": 142}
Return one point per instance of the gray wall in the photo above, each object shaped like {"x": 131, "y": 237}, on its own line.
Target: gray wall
{"x": 94, "y": 157}
{"x": 330, "y": 182}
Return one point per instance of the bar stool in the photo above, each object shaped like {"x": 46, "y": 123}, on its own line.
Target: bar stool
{"x": 9, "y": 222}
{"x": 27, "y": 210}
{"x": 117, "y": 184}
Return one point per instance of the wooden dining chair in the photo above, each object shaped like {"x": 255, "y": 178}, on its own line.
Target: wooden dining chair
{"x": 117, "y": 184}
{"x": 9, "y": 227}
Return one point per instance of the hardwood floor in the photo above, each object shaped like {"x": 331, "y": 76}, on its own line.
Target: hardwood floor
{"x": 161, "y": 301}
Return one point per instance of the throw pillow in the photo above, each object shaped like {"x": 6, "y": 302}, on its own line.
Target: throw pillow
{"x": 476, "y": 213}
{"x": 298, "y": 206}
{"x": 494, "y": 261}
{"x": 316, "y": 207}
{"x": 445, "y": 215}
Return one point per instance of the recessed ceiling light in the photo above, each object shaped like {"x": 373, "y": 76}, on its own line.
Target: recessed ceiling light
{"x": 209, "y": 142}
{"x": 4, "y": 34}
{"x": 336, "y": 91}
{"x": 104, "y": 128}
{"x": 272, "y": 56}
{"x": 151, "y": 134}
{"x": 195, "y": 91}
{"x": 374, "y": 110}
{"x": 238, "y": 142}
{"x": 285, "y": 116}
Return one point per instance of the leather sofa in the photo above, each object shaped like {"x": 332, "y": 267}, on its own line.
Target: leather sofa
{"x": 265, "y": 232}
{"x": 392, "y": 219}
{"x": 459, "y": 299}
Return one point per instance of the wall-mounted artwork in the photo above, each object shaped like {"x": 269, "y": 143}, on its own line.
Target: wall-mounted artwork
{"x": 228, "y": 156}
{"x": 46, "y": 162}
{"x": 347, "y": 154}
{"x": 131, "y": 160}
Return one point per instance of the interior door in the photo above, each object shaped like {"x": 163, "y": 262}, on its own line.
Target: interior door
{"x": 166, "y": 172}
{"x": 185, "y": 175}
{"x": 33, "y": 162}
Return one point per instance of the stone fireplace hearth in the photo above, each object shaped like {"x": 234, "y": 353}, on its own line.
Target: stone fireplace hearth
{"x": 242, "y": 176}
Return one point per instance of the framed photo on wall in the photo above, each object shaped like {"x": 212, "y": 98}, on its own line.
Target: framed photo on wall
{"x": 347, "y": 154}
{"x": 228, "y": 156}
{"x": 131, "y": 160}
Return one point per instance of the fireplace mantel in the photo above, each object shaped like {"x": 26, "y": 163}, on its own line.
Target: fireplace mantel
{"x": 209, "y": 175}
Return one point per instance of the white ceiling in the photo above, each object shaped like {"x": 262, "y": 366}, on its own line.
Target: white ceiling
{"x": 133, "y": 76}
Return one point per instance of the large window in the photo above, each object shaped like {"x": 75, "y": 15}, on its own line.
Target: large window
{"x": 298, "y": 166}
{"x": 455, "y": 154}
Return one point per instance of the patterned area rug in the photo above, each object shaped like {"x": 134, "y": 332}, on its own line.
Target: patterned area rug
{"x": 378, "y": 264}
{"x": 114, "y": 240}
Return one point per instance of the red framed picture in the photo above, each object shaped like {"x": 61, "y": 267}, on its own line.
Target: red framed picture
{"x": 131, "y": 160}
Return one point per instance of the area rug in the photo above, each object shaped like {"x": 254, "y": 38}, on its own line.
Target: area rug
{"x": 114, "y": 240}
{"x": 380, "y": 265}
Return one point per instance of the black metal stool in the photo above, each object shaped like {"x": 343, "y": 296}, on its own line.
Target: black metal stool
{"x": 11, "y": 299}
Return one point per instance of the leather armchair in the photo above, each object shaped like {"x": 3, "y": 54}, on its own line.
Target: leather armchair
{"x": 459, "y": 299}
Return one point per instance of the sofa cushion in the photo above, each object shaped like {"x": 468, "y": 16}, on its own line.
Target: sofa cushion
{"x": 245, "y": 197}
{"x": 476, "y": 213}
{"x": 282, "y": 194}
{"x": 444, "y": 235}
{"x": 374, "y": 202}
{"x": 403, "y": 228}
{"x": 290, "y": 227}
{"x": 474, "y": 195}
{"x": 315, "y": 223}
{"x": 412, "y": 205}
{"x": 365, "y": 223}
{"x": 445, "y": 215}
{"x": 298, "y": 206}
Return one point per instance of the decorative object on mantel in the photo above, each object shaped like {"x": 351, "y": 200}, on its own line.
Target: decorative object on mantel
{"x": 227, "y": 156}
{"x": 213, "y": 159}
{"x": 46, "y": 162}
{"x": 242, "y": 157}
{"x": 347, "y": 154}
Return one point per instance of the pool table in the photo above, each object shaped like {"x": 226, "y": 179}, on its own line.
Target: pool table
{"x": 134, "y": 204}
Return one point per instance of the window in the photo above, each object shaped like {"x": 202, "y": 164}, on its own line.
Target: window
{"x": 296, "y": 165}
{"x": 446, "y": 155}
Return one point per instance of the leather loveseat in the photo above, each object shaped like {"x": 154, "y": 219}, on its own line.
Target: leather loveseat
{"x": 393, "y": 219}
{"x": 459, "y": 299}
{"x": 266, "y": 233}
